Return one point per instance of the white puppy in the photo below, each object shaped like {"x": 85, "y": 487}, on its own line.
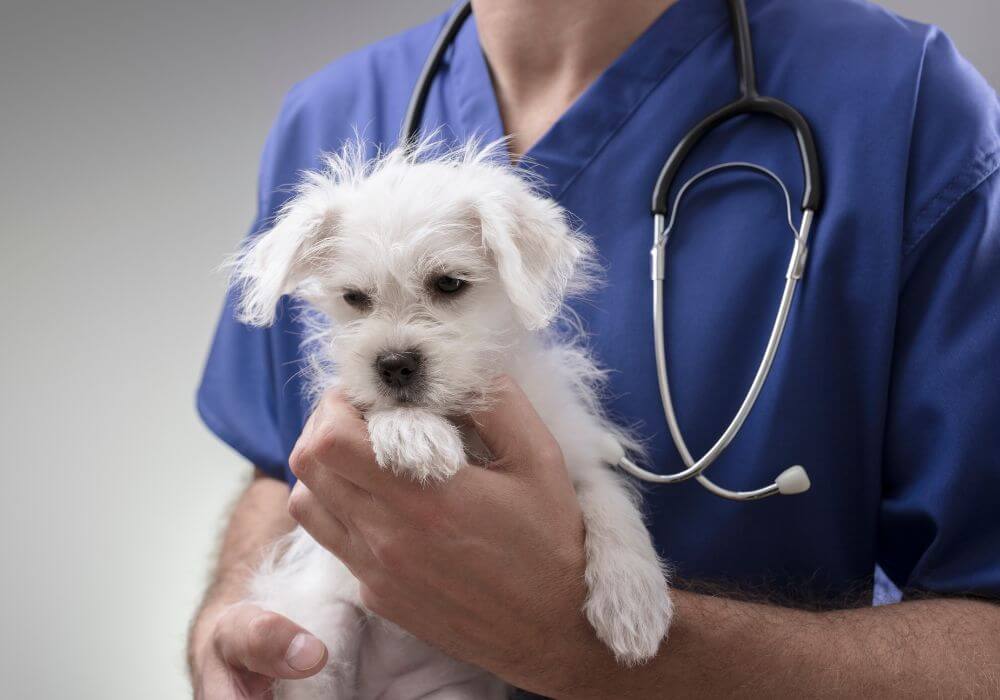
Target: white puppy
{"x": 432, "y": 275}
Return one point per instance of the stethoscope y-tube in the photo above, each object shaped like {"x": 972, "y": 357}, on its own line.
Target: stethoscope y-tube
{"x": 794, "y": 479}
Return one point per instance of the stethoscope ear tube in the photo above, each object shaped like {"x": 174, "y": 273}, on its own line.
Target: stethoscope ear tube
{"x": 812, "y": 192}
{"x": 749, "y": 102}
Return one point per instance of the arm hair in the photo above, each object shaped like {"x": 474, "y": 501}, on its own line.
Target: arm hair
{"x": 258, "y": 518}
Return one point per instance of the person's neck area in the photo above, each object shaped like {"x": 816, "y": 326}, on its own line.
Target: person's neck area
{"x": 543, "y": 54}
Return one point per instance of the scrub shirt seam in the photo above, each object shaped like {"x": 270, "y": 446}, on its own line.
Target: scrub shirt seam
{"x": 951, "y": 194}
{"x": 631, "y": 112}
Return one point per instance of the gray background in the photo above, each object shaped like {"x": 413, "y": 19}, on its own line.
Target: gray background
{"x": 129, "y": 138}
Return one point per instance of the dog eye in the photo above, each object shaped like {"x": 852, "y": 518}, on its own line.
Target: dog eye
{"x": 448, "y": 285}
{"x": 357, "y": 299}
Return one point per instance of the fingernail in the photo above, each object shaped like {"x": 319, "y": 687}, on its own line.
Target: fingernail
{"x": 304, "y": 652}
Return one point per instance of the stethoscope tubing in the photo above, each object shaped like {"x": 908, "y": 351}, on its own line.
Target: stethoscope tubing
{"x": 694, "y": 468}
{"x": 794, "y": 479}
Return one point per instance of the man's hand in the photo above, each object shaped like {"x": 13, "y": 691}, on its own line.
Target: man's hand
{"x": 235, "y": 650}
{"x": 248, "y": 650}
{"x": 487, "y": 566}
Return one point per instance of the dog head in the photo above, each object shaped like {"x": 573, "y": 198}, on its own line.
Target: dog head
{"x": 428, "y": 269}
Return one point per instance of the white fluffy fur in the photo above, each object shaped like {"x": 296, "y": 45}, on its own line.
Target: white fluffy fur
{"x": 388, "y": 227}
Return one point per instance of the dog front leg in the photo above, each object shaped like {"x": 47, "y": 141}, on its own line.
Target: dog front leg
{"x": 629, "y": 602}
{"x": 416, "y": 442}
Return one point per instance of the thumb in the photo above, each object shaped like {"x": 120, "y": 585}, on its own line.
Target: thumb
{"x": 514, "y": 433}
{"x": 251, "y": 639}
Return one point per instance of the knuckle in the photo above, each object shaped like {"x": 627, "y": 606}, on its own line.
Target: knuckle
{"x": 548, "y": 452}
{"x": 316, "y": 447}
{"x": 260, "y": 633}
{"x": 297, "y": 460}
{"x": 303, "y": 458}
{"x": 222, "y": 632}
{"x": 328, "y": 439}
{"x": 330, "y": 397}
{"x": 391, "y": 552}
{"x": 332, "y": 443}
{"x": 297, "y": 504}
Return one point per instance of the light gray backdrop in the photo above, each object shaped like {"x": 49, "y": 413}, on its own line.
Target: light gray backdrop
{"x": 129, "y": 138}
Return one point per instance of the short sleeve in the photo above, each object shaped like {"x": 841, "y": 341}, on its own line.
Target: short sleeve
{"x": 251, "y": 393}
{"x": 939, "y": 528}
{"x": 939, "y": 525}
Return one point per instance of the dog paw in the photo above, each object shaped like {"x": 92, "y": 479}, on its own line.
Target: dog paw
{"x": 417, "y": 443}
{"x": 629, "y": 606}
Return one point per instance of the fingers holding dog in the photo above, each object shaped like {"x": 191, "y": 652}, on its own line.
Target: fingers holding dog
{"x": 335, "y": 441}
{"x": 514, "y": 433}
{"x": 330, "y": 527}
{"x": 268, "y": 644}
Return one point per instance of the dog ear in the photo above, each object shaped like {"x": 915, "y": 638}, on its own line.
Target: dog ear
{"x": 539, "y": 257}
{"x": 282, "y": 259}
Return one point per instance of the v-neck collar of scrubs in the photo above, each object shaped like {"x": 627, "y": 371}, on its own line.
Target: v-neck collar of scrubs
{"x": 579, "y": 134}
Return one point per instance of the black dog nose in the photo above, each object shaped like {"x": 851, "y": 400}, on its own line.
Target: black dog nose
{"x": 398, "y": 369}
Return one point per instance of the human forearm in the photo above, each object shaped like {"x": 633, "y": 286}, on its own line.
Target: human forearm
{"x": 490, "y": 567}
{"x": 719, "y": 647}
{"x": 259, "y": 517}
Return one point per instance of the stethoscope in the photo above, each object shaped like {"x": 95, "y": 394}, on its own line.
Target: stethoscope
{"x": 794, "y": 479}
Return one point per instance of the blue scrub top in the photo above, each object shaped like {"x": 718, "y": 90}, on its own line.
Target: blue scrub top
{"x": 887, "y": 384}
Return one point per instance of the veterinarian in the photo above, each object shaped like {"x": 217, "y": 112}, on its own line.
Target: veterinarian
{"x": 886, "y": 385}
